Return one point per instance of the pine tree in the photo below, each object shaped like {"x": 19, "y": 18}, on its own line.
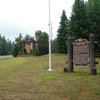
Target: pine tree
{"x": 94, "y": 17}
{"x": 79, "y": 20}
{"x": 0, "y": 44}
{"x": 54, "y": 46}
{"x": 18, "y": 43}
{"x": 62, "y": 34}
{"x": 4, "y": 46}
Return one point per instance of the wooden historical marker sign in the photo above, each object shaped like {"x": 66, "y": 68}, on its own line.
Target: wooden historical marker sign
{"x": 27, "y": 48}
{"x": 80, "y": 52}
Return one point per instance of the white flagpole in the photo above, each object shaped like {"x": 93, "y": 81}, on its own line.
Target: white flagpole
{"x": 51, "y": 32}
{"x": 50, "y": 68}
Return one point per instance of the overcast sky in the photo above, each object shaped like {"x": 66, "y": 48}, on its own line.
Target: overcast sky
{"x": 27, "y": 16}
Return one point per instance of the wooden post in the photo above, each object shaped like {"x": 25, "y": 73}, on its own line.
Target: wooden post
{"x": 70, "y": 54}
{"x": 92, "y": 55}
{"x": 22, "y": 48}
{"x": 33, "y": 45}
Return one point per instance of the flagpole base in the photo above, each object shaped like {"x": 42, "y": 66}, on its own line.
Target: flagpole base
{"x": 50, "y": 70}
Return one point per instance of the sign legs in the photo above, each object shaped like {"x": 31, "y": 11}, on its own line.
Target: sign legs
{"x": 70, "y": 56}
{"x": 92, "y": 55}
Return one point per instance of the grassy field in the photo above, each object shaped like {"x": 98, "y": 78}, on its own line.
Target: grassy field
{"x": 27, "y": 78}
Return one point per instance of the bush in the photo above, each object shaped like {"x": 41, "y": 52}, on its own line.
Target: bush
{"x": 36, "y": 51}
{"x": 15, "y": 51}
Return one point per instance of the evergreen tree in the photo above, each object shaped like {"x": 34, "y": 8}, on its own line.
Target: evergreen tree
{"x": 27, "y": 37}
{"x": 62, "y": 34}
{"x": 0, "y": 45}
{"x": 79, "y": 20}
{"x": 10, "y": 47}
{"x": 18, "y": 41}
{"x": 42, "y": 42}
{"x": 54, "y": 46}
{"x": 94, "y": 17}
{"x": 16, "y": 50}
{"x": 4, "y": 46}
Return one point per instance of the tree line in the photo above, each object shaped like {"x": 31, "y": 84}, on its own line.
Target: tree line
{"x": 84, "y": 20}
{"x": 6, "y": 46}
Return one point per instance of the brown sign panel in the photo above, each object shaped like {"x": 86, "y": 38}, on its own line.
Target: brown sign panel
{"x": 80, "y": 52}
{"x": 27, "y": 48}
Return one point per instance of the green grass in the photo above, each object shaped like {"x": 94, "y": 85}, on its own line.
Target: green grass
{"x": 27, "y": 78}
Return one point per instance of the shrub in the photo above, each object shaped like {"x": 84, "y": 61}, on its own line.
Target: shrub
{"x": 15, "y": 51}
{"x": 36, "y": 51}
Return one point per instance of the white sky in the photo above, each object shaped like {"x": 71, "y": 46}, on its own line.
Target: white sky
{"x": 27, "y": 16}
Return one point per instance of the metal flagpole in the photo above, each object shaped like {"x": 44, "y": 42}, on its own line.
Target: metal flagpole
{"x": 50, "y": 68}
{"x": 51, "y": 33}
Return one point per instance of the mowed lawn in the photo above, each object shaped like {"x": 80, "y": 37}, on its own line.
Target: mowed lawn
{"x": 27, "y": 78}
